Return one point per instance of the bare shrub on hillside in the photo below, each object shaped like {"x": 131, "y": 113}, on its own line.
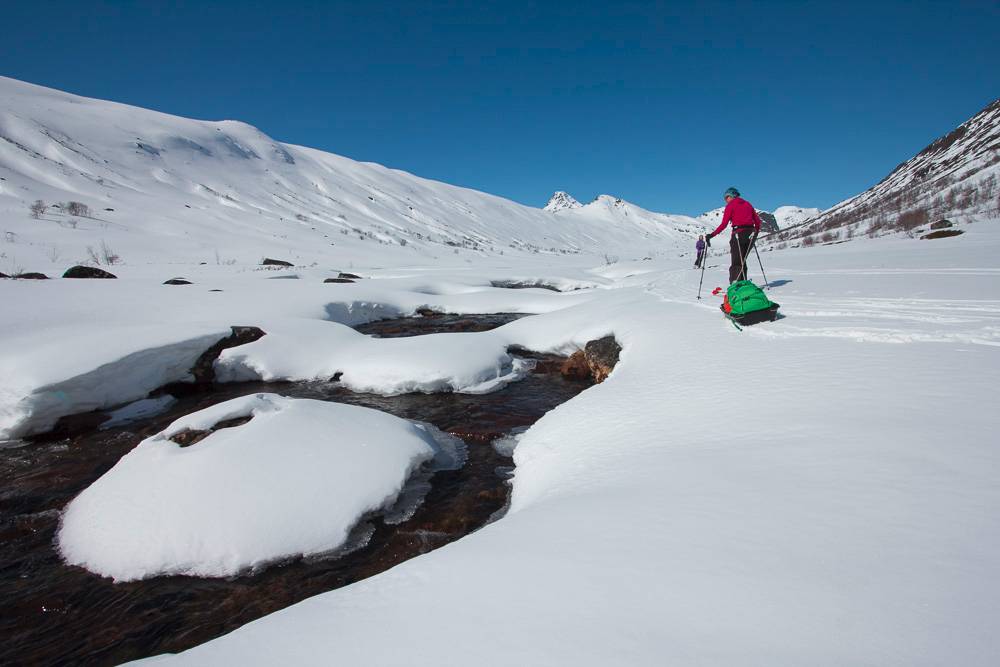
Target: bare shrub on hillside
{"x": 38, "y": 209}
{"x": 103, "y": 255}
{"x": 807, "y": 241}
{"x": 911, "y": 220}
{"x": 77, "y": 208}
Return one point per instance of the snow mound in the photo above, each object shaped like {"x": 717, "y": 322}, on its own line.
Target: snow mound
{"x": 62, "y": 370}
{"x": 318, "y": 350}
{"x": 293, "y": 480}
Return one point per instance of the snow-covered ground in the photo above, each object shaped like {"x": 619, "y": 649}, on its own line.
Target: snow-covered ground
{"x": 818, "y": 490}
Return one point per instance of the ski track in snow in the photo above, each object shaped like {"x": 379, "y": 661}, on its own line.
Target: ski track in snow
{"x": 862, "y": 318}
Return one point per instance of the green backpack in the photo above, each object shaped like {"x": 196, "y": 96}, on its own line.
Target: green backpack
{"x": 746, "y": 303}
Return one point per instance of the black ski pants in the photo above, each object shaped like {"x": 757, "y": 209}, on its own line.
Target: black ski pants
{"x": 739, "y": 248}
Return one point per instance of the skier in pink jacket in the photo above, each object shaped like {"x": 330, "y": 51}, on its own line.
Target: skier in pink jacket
{"x": 746, "y": 227}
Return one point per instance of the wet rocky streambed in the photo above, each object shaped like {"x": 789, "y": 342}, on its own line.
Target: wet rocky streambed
{"x": 55, "y": 614}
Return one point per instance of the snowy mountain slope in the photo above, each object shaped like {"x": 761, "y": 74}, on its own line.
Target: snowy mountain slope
{"x": 160, "y": 186}
{"x": 955, "y": 177}
{"x": 781, "y": 217}
{"x": 786, "y": 216}
{"x": 607, "y": 212}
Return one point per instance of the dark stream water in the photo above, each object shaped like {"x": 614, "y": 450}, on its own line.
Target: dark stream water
{"x": 54, "y": 614}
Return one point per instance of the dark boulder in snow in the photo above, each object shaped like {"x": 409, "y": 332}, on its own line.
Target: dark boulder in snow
{"x": 942, "y": 234}
{"x": 768, "y": 222}
{"x": 349, "y": 276}
{"x": 596, "y": 360}
{"x": 602, "y": 356}
{"x": 524, "y": 284}
{"x": 3, "y": 275}
{"x": 31, "y": 275}
{"x": 177, "y": 281}
{"x": 275, "y": 262}
{"x": 338, "y": 280}
{"x": 942, "y": 224}
{"x": 80, "y": 271}
{"x": 204, "y": 369}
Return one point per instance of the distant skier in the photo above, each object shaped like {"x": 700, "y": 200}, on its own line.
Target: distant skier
{"x": 746, "y": 226}
{"x": 700, "y": 247}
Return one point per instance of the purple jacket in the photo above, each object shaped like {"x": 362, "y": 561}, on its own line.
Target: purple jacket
{"x": 700, "y": 245}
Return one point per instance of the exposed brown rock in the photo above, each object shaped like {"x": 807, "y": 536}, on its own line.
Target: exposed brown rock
{"x": 188, "y": 437}
{"x": 942, "y": 224}
{"x": 349, "y": 276}
{"x": 81, "y": 271}
{"x": 275, "y": 262}
{"x": 576, "y": 367}
{"x": 31, "y": 275}
{"x": 428, "y": 312}
{"x": 177, "y": 281}
{"x": 338, "y": 280}
{"x": 595, "y": 361}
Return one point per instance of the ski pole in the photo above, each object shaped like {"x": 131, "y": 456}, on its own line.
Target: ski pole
{"x": 704, "y": 261}
{"x": 743, "y": 259}
{"x": 767, "y": 285}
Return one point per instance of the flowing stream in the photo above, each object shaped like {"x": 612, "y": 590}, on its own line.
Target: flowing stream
{"x": 55, "y": 614}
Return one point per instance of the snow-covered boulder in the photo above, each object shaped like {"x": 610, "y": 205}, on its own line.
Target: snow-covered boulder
{"x": 292, "y": 480}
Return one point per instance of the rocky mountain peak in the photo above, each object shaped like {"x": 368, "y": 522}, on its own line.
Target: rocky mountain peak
{"x": 561, "y": 201}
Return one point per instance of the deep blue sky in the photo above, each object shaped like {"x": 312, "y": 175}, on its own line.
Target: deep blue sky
{"x": 664, "y": 104}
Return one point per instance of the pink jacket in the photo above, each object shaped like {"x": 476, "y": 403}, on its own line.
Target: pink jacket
{"x": 741, "y": 213}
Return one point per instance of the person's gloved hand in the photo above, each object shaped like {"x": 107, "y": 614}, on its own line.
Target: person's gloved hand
{"x": 708, "y": 239}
